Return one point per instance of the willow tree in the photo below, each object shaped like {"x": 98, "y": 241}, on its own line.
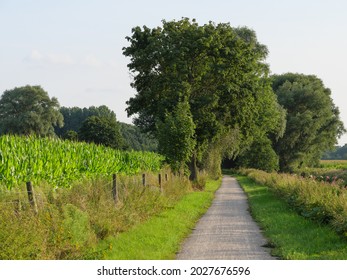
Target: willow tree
{"x": 219, "y": 70}
{"x": 29, "y": 110}
{"x": 313, "y": 120}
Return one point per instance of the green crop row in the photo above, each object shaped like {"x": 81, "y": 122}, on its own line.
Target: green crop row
{"x": 61, "y": 162}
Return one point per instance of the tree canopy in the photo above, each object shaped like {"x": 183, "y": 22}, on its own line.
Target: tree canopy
{"x": 134, "y": 139}
{"x": 29, "y": 110}
{"x": 219, "y": 70}
{"x": 101, "y": 130}
{"x": 336, "y": 153}
{"x": 313, "y": 122}
{"x": 75, "y": 116}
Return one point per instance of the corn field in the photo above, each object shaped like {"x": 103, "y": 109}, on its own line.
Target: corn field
{"x": 59, "y": 162}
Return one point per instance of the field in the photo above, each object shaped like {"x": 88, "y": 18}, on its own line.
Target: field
{"x": 75, "y": 210}
{"x": 331, "y": 171}
{"x": 60, "y": 163}
{"x": 334, "y": 164}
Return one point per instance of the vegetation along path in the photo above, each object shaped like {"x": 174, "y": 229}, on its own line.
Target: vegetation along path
{"x": 227, "y": 230}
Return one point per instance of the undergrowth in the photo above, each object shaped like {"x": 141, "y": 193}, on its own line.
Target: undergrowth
{"x": 160, "y": 237}
{"x": 291, "y": 236}
{"x": 70, "y": 223}
{"x": 320, "y": 201}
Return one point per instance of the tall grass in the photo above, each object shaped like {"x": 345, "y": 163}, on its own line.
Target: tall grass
{"x": 72, "y": 222}
{"x": 320, "y": 201}
{"x": 161, "y": 236}
{"x": 60, "y": 163}
{"x": 291, "y": 236}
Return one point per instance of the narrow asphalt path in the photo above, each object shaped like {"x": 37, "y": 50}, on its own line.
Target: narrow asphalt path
{"x": 227, "y": 231}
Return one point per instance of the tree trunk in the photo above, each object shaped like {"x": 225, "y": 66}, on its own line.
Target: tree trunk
{"x": 193, "y": 168}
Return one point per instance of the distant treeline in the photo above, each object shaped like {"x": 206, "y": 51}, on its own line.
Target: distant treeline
{"x": 131, "y": 136}
{"x": 340, "y": 152}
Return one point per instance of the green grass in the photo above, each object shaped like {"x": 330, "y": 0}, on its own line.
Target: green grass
{"x": 160, "y": 237}
{"x": 71, "y": 223}
{"x": 334, "y": 164}
{"x": 292, "y": 236}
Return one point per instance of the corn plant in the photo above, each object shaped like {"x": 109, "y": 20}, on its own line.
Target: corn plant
{"x": 61, "y": 162}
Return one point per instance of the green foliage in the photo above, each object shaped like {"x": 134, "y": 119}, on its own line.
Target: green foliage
{"x": 136, "y": 140}
{"x": 77, "y": 226}
{"x": 226, "y": 147}
{"x": 217, "y": 69}
{"x": 101, "y": 130}
{"x": 291, "y": 236}
{"x": 75, "y": 223}
{"x": 71, "y": 135}
{"x": 62, "y": 162}
{"x": 336, "y": 153}
{"x": 29, "y": 110}
{"x": 323, "y": 202}
{"x": 260, "y": 156}
{"x": 75, "y": 116}
{"x": 176, "y": 136}
{"x": 313, "y": 123}
{"x": 151, "y": 241}
{"x": 334, "y": 164}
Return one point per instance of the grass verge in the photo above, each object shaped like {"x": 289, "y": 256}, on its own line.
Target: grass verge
{"x": 291, "y": 236}
{"x": 71, "y": 223}
{"x": 160, "y": 237}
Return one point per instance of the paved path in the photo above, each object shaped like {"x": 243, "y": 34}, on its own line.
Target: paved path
{"x": 227, "y": 230}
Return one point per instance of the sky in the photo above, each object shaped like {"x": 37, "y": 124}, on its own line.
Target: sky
{"x": 73, "y": 48}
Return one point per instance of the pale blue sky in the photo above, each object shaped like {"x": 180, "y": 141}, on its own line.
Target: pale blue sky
{"x": 72, "y": 48}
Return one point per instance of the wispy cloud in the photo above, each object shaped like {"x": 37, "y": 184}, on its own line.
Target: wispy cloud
{"x": 91, "y": 60}
{"x": 100, "y": 90}
{"x": 49, "y": 58}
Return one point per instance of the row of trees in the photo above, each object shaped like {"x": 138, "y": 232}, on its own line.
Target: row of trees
{"x": 206, "y": 94}
{"x": 29, "y": 110}
{"x": 339, "y": 152}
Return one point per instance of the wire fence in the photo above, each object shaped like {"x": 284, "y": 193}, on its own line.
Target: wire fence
{"x": 36, "y": 197}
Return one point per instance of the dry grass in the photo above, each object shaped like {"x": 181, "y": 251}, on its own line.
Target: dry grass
{"x": 71, "y": 222}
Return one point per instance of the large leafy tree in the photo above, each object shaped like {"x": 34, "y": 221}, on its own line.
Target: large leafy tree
{"x": 101, "y": 130}
{"x": 219, "y": 70}
{"x": 29, "y": 110}
{"x": 313, "y": 123}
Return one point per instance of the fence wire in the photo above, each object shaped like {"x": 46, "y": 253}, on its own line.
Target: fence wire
{"x": 20, "y": 199}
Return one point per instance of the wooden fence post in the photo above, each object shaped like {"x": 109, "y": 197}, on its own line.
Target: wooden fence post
{"x": 160, "y": 184}
{"x": 144, "y": 180}
{"x": 31, "y": 197}
{"x": 114, "y": 188}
